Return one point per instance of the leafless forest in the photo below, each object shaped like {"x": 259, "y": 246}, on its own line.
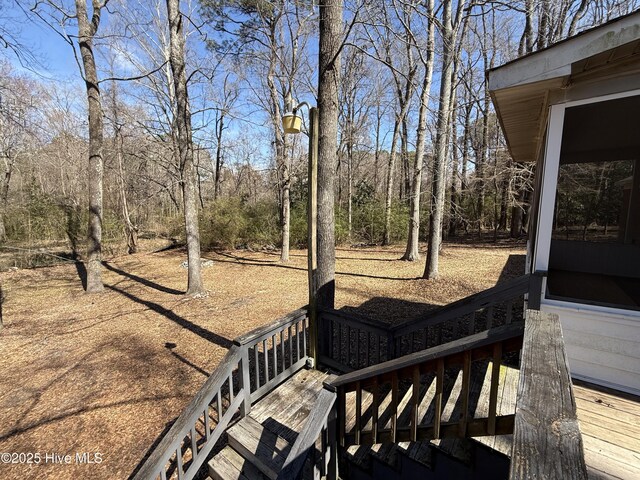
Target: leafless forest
{"x": 170, "y": 124}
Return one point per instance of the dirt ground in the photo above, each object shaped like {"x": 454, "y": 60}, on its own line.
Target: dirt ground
{"x": 105, "y": 374}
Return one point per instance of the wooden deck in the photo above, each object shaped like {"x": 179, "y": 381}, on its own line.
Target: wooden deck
{"x": 609, "y": 422}
{"x": 610, "y": 426}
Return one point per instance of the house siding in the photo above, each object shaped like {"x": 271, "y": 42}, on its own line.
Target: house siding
{"x": 603, "y": 346}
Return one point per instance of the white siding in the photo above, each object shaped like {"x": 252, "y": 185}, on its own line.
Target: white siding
{"x": 603, "y": 345}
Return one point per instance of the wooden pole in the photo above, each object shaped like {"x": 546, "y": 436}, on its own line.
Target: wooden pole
{"x": 312, "y": 233}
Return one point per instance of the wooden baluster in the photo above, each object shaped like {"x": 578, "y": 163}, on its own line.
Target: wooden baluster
{"x": 394, "y": 405}
{"x": 179, "y": 466}
{"x": 358, "y": 332}
{"x": 464, "y": 392}
{"x": 230, "y": 380}
{"x": 244, "y": 373}
{"x": 339, "y": 343}
{"x": 342, "y": 419}
{"x": 472, "y": 323}
{"x": 489, "y": 317}
{"x": 163, "y": 474}
{"x": 438, "y": 398}
{"x": 374, "y": 409}
{"x": 265, "y": 354}
{"x": 509, "y": 312}
{"x": 415, "y": 403}
{"x": 391, "y": 345}
{"x": 367, "y": 347}
{"x": 282, "y": 364}
{"x": 194, "y": 443}
{"x": 207, "y": 422}
{"x": 348, "y": 360}
{"x": 219, "y": 405}
{"x": 291, "y": 362}
{"x": 493, "y": 392}
{"x": 305, "y": 330}
{"x": 324, "y": 446}
{"x": 332, "y": 468}
{"x": 358, "y": 426}
{"x": 295, "y": 326}
{"x": 275, "y": 355}
{"x": 256, "y": 365}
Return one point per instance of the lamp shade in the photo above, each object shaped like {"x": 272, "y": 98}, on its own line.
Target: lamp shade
{"x": 291, "y": 122}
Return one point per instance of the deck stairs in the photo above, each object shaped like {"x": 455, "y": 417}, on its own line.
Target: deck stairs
{"x": 259, "y": 444}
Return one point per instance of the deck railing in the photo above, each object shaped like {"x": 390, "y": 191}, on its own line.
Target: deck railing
{"x": 350, "y": 342}
{"x": 389, "y": 399}
{"x": 256, "y": 364}
{"x": 315, "y": 442}
{"x": 546, "y": 440}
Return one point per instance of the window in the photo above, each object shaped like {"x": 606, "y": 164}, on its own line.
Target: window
{"x": 595, "y": 243}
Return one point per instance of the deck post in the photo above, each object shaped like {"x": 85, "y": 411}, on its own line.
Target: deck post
{"x": 245, "y": 407}
{"x": 535, "y": 290}
{"x": 312, "y": 233}
{"x": 332, "y": 434}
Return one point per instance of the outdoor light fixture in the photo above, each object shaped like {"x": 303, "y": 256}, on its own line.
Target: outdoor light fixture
{"x": 291, "y": 121}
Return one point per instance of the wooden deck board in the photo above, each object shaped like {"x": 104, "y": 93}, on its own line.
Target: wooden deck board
{"x": 285, "y": 410}
{"x": 610, "y": 426}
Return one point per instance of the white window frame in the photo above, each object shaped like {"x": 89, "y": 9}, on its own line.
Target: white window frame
{"x": 548, "y": 195}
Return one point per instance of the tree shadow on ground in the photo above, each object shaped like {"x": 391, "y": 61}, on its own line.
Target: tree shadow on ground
{"x": 81, "y": 269}
{"x": 143, "y": 281}
{"x": 165, "y": 312}
{"x": 170, "y": 346}
{"x": 394, "y": 310}
{"x": 269, "y": 263}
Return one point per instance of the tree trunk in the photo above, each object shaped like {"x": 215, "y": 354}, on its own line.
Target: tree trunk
{"x": 182, "y": 123}
{"x": 4, "y": 192}
{"x": 328, "y": 81}
{"x": 412, "y": 252}
{"x": 286, "y": 210}
{"x": 216, "y": 178}
{"x": 130, "y": 230}
{"x": 86, "y": 32}
{"x": 442, "y": 134}
{"x": 386, "y": 235}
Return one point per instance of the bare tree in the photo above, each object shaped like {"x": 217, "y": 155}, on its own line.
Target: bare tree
{"x": 330, "y": 43}
{"x": 185, "y": 146}
{"x": 426, "y": 56}
{"x": 87, "y": 29}
{"x": 449, "y": 27}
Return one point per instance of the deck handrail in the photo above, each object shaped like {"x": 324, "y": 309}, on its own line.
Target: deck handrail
{"x": 546, "y": 440}
{"x": 319, "y": 424}
{"x": 481, "y": 339}
{"x": 261, "y": 332}
{"x": 255, "y": 364}
{"x": 408, "y": 375}
{"x": 501, "y": 291}
{"x": 377, "y": 341}
{"x": 171, "y": 444}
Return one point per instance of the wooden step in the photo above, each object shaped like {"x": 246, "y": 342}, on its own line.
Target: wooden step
{"x": 230, "y": 465}
{"x": 261, "y": 447}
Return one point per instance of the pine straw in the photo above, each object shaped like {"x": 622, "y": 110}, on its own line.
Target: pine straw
{"x": 108, "y": 373}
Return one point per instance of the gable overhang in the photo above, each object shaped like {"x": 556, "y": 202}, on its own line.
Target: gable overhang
{"x": 523, "y": 89}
